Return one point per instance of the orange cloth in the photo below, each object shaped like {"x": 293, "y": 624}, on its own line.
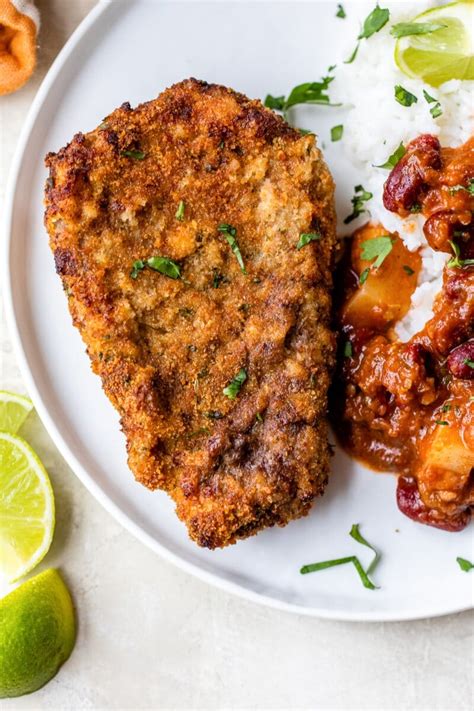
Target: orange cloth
{"x": 18, "y": 30}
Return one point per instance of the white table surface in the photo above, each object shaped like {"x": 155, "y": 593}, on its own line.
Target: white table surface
{"x": 152, "y": 637}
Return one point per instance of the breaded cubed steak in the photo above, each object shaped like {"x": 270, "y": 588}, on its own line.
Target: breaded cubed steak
{"x": 194, "y": 236}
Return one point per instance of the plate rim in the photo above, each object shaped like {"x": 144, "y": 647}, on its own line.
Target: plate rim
{"x": 48, "y": 422}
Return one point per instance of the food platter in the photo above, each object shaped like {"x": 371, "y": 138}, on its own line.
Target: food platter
{"x": 256, "y": 47}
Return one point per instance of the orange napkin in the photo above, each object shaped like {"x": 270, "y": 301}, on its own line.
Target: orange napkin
{"x": 19, "y": 23}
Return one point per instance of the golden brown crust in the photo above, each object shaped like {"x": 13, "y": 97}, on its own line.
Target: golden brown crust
{"x": 166, "y": 348}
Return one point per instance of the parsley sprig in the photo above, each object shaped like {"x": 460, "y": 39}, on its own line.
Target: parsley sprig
{"x": 363, "y": 574}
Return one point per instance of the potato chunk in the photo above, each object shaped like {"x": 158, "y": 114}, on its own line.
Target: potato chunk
{"x": 447, "y": 463}
{"x": 385, "y": 295}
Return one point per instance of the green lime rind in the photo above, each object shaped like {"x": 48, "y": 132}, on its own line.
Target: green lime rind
{"x": 27, "y": 512}
{"x": 37, "y": 633}
{"x": 14, "y": 409}
{"x": 448, "y": 53}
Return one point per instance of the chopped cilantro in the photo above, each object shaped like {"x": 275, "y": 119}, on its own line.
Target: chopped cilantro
{"x": 469, "y": 362}
{"x": 353, "y": 55}
{"x": 276, "y": 103}
{"x": 408, "y": 270}
{"x": 180, "y": 211}
{"x": 306, "y": 238}
{"x": 137, "y": 155}
{"x": 363, "y": 574}
{"x": 159, "y": 264}
{"x": 315, "y": 567}
{"x": 336, "y": 132}
{"x": 465, "y": 565}
{"x": 406, "y": 29}
{"x": 360, "y": 196}
{"x": 313, "y": 92}
{"x": 374, "y": 22}
{"x": 428, "y": 98}
{"x": 137, "y": 266}
{"x": 404, "y": 97}
{"x": 456, "y": 261}
{"x": 230, "y": 233}
{"x": 435, "y": 110}
{"x": 347, "y": 349}
{"x": 392, "y": 160}
{"x": 233, "y": 388}
{"x": 377, "y": 249}
{"x": 340, "y": 12}
{"x": 165, "y": 266}
{"x": 469, "y": 188}
{"x": 441, "y": 422}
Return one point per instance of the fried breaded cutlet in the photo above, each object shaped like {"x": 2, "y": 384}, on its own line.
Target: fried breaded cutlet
{"x": 194, "y": 237}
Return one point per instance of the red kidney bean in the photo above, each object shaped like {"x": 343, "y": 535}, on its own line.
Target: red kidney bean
{"x": 403, "y": 185}
{"x": 410, "y": 503}
{"x": 461, "y": 361}
{"x": 439, "y": 229}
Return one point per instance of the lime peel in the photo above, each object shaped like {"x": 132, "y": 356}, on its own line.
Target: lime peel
{"x": 27, "y": 513}
{"x": 37, "y": 633}
{"x": 14, "y": 409}
{"x": 446, "y": 54}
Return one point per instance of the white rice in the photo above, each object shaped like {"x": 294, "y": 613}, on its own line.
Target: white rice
{"x": 375, "y": 126}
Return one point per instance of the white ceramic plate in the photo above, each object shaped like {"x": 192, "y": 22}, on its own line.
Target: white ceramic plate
{"x": 131, "y": 51}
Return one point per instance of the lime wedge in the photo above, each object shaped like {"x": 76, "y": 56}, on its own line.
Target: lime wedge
{"x": 446, "y": 54}
{"x": 14, "y": 409}
{"x": 37, "y": 633}
{"x": 26, "y": 508}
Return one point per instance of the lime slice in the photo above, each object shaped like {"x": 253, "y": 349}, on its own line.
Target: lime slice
{"x": 37, "y": 633}
{"x": 446, "y": 54}
{"x": 26, "y": 508}
{"x": 14, "y": 409}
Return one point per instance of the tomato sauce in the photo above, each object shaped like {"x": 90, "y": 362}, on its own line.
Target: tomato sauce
{"x": 409, "y": 407}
